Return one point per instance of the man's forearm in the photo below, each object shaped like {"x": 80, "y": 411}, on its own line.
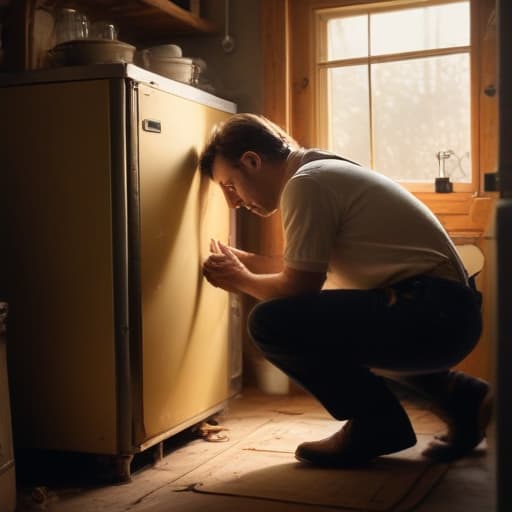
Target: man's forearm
{"x": 259, "y": 263}
{"x": 283, "y": 284}
{"x": 226, "y": 268}
{"x": 266, "y": 286}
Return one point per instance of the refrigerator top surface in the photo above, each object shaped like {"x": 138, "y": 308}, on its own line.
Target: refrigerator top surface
{"x": 121, "y": 70}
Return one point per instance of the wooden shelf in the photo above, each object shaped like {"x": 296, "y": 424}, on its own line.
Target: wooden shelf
{"x": 143, "y": 20}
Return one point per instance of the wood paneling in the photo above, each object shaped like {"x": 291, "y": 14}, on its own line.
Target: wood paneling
{"x": 256, "y": 234}
{"x": 488, "y": 102}
{"x": 17, "y": 35}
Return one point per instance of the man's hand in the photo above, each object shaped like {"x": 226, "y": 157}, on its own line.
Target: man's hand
{"x": 255, "y": 263}
{"x": 223, "y": 268}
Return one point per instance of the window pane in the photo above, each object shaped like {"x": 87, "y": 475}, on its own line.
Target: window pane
{"x": 423, "y": 28}
{"x": 348, "y": 113}
{"x": 347, "y": 38}
{"x": 421, "y": 107}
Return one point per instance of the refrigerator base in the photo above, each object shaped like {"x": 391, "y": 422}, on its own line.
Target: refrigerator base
{"x": 47, "y": 466}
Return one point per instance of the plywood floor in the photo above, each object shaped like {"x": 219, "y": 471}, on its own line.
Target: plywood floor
{"x": 468, "y": 486}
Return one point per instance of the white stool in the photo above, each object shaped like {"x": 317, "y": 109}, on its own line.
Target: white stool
{"x": 472, "y": 257}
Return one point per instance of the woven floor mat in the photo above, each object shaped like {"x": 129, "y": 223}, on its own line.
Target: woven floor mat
{"x": 263, "y": 466}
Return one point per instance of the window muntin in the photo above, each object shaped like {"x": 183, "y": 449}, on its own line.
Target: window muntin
{"x": 404, "y": 101}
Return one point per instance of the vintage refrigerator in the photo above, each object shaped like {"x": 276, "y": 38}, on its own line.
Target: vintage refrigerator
{"x": 116, "y": 340}
{"x": 7, "y": 470}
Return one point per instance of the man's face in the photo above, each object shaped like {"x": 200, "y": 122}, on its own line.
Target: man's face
{"x": 244, "y": 185}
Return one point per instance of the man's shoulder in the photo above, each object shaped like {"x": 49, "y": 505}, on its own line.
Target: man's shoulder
{"x": 324, "y": 166}
{"x": 315, "y": 155}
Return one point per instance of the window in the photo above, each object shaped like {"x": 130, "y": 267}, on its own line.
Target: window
{"x": 394, "y": 88}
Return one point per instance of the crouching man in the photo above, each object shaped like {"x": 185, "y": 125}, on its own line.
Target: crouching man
{"x": 398, "y": 297}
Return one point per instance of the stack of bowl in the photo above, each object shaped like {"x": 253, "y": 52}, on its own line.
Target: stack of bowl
{"x": 168, "y": 60}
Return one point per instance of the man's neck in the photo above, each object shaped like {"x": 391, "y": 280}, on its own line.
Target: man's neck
{"x": 293, "y": 162}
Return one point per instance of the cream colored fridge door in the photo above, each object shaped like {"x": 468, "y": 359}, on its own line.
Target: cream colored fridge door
{"x": 56, "y": 205}
{"x": 185, "y": 356}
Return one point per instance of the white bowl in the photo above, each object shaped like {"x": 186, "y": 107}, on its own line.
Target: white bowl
{"x": 179, "y": 68}
{"x": 167, "y": 51}
{"x": 91, "y": 51}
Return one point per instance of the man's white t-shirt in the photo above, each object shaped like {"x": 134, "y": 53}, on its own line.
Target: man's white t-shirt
{"x": 362, "y": 228}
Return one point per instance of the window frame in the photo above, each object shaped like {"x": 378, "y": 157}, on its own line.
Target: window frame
{"x": 320, "y": 95}
{"x": 303, "y": 121}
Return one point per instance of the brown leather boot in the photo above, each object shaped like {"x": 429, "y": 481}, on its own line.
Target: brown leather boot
{"x": 467, "y": 411}
{"x": 359, "y": 441}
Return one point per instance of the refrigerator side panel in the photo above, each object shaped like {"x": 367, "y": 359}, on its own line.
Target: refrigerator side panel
{"x": 55, "y": 203}
{"x": 185, "y": 331}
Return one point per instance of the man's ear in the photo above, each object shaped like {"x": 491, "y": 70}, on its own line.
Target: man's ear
{"x": 251, "y": 161}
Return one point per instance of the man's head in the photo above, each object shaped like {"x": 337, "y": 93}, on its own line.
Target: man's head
{"x": 246, "y": 156}
{"x": 245, "y": 132}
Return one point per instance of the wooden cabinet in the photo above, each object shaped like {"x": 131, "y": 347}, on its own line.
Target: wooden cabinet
{"x": 140, "y": 22}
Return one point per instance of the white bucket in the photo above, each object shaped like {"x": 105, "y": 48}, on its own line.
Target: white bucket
{"x": 271, "y": 379}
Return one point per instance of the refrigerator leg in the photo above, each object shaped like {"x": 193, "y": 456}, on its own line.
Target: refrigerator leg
{"x": 115, "y": 468}
{"x": 158, "y": 453}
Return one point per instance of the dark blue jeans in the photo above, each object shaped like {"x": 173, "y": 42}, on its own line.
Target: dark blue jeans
{"x": 328, "y": 342}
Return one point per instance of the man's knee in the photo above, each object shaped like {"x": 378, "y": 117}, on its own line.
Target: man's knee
{"x": 263, "y": 323}
{"x": 258, "y": 321}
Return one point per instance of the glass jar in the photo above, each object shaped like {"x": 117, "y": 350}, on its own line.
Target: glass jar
{"x": 70, "y": 24}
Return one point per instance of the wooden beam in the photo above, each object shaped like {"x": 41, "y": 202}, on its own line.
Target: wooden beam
{"x": 18, "y": 23}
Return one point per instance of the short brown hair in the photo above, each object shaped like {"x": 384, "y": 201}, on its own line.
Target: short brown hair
{"x": 245, "y": 132}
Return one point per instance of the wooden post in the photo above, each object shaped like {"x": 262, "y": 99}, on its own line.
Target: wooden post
{"x": 17, "y": 29}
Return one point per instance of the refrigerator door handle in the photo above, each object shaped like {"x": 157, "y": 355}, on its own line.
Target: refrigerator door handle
{"x": 152, "y": 125}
